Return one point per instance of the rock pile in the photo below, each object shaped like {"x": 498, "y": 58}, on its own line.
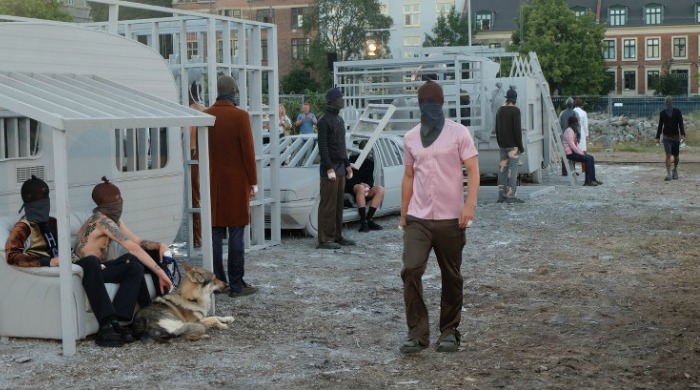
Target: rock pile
{"x": 608, "y": 129}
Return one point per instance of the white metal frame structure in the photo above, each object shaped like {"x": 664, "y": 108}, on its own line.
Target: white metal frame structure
{"x": 253, "y": 70}
{"x": 473, "y": 79}
{"x": 72, "y": 103}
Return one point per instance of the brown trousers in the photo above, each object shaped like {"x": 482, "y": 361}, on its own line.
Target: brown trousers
{"x": 447, "y": 239}
{"x": 330, "y": 210}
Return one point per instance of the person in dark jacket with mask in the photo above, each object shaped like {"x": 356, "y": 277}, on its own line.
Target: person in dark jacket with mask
{"x": 671, "y": 126}
{"x": 334, "y": 167}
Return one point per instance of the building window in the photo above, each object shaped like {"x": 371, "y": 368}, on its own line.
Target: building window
{"x": 141, "y": 149}
{"x": 681, "y": 77}
{"x": 300, "y": 48}
{"x": 484, "y": 20}
{"x": 192, "y": 49}
{"x": 412, "y": 41}
{"x": 231, "y": 13}
{"x": 579, "y": 11}
{"x": 653, "y": 77}
{"x": 411, "y": 15}
{"x": 264, "y": 15}
{"x": 19, "y": 138}
{"x": 442, "y": 8}
{"x": 629, "y": 47}
{"x": 69, "y": 2}
{"x": 384, "y": 9}
{"x": 617, "y": 16}
{"x": 697, "y": 13}
{"x": 652, "y": 14}
{"x": 609, "y": 49}
{"x": 297, "y": 18}
{"x": 630, "y": 80}
{"x": 263, "y": 47}
{"x": 611, "y": 81}
{"x": 680, "y": 47}
{"x": 220, "y": 49}
{"x": 653, "y": 49}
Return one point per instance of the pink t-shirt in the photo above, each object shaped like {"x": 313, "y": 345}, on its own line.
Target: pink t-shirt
{"x": 438, "y": 180}
{"x": 568, "y": 140}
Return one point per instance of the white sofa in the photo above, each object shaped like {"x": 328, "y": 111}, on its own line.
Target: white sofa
{"x": 30, "y": 297}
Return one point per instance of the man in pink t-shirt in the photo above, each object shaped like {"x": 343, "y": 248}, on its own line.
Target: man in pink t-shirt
{"x": 434, "y": 215}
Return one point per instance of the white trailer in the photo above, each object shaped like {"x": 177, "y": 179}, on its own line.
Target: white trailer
{"x": 474, "y": 85}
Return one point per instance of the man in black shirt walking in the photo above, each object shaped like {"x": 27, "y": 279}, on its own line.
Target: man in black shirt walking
{"x": 333, "y": 169}
{"x": 671, "y": 125}
{"x": 510, "y": 142}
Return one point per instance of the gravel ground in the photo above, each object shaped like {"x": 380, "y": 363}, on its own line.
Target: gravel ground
{"x": 579, "y": 288}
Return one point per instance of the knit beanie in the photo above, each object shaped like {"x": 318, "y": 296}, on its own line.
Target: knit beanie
{"x": 106, "y": 192}
{"x": 34, "y": 189}
{"x": 333, "y": 94}
{"x": 226, "y": 85}
{"x": 430, "y": 91}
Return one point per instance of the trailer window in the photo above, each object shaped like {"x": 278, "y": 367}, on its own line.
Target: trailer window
{"x": 141, "y": 149}
{"x": 19, "y": 138}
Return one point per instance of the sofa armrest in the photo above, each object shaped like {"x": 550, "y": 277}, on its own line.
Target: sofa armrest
{"x": 49, "y": 271}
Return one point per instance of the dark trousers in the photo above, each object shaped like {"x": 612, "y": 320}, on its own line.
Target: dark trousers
{"x": 236, "y": 261}
{"x": 447, "y": 239}
{"x": 330, "y": 210}
{"x": 127, "y": 271}
{"x": 589, "y": 162}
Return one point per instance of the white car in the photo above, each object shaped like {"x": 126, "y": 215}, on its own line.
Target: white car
{"x": 300, "y": 179}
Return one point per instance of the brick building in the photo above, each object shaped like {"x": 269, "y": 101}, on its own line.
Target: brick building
{"x": 292, "y": 45}
{"x": 643, "y": 38}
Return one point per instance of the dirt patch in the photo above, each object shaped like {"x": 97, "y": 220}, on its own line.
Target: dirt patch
{"x": 578, "y": 288}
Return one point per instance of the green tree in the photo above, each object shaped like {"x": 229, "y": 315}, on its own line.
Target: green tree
{"x": 569, "y": 47}
{"x": 449, "y": 30}
{"x": 298, "y": 81}
{"x": 668, "y": 84}
{"x": 343, "y": 27}
{"x": 100, "y": 12}
{"x": 39, "y": 9}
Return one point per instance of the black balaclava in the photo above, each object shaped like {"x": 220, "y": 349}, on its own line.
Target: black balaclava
{"x": 669, "y": 105}
{"x": 432, "y": 118}
{"x": 35, "y": 198}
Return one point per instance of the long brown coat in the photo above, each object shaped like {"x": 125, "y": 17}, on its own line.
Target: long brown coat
{"x": 231, "y": 165}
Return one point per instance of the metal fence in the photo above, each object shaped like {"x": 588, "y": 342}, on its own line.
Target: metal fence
{"x": 631, "y": 106}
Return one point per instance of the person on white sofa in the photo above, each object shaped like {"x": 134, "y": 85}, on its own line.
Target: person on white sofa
{"x": 32, "y": 243}
{"x": 94, "y": 239}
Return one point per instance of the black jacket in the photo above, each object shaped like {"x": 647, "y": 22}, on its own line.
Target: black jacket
{"x": 671, "y": 126}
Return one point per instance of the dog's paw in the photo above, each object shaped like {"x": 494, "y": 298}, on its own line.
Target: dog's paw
{"x": 228, "y": 319}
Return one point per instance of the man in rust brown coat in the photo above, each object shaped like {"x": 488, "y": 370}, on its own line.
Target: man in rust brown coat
{"x": 233, "y": 182}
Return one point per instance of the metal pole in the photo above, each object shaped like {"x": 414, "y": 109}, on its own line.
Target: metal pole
{"x": 469, "y": 22}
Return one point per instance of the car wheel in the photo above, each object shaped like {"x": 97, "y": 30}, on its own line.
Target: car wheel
{"x": 312, "y": 224}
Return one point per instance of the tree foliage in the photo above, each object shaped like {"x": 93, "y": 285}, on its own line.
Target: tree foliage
{"x": 569, "y": 47}
{"x": 298, "y": 81}
{"x": 39, "y": 9}
{"x": 449, "y": 30}
{"x": 343, "y": 27}
{"x": 100, "y": 12}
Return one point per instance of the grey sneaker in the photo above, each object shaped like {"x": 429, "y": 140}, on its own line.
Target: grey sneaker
{"x": 345, "y": 242}
{"x": 675, "y": 175}
{"x": 328, "y": 245}
{"x": 668, "y": 178}
{"x": 412, "y": 346}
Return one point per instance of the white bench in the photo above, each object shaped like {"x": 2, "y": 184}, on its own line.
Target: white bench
{"x": 30, "y": 296}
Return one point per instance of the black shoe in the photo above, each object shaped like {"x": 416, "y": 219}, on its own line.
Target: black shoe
{"x": 590, "y": 184}
{"x": 247, "y": 290}
{"x": 364, "y": 228}
{"x": 514, "y": 200}
{"x": 125, "y": 332}
{"x": 108, "y": 337}
{"x": 598, "y": 182}
{"x": 373, "y": 225}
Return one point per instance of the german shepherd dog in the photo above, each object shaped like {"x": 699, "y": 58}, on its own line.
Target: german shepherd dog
{"x": 182, "y": 312}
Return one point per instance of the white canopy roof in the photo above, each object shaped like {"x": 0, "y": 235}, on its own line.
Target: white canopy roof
{"x": 80, "y": 102}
